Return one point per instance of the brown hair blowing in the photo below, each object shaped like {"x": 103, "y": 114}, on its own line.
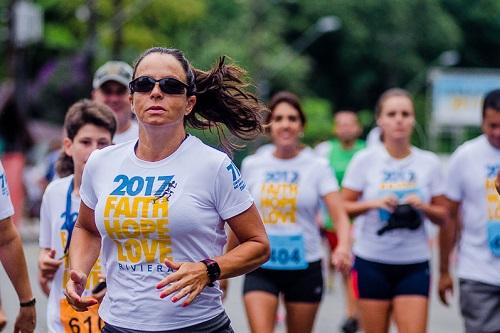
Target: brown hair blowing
{"x": 222, "y": 97}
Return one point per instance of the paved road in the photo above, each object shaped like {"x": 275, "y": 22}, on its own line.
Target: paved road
{"x": 442, "y": 319}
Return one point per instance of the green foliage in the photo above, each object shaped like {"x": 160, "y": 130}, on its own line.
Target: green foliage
{"x": 59, "y": 37}
{"x": 381, "y": 44}
{"x": 319, "y": 120}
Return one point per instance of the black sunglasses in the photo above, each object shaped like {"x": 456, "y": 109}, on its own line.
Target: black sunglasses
{"x": 168, "y": 85}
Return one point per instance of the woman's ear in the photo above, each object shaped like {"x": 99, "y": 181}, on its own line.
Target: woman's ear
{"x": 191, "y": 102}
{"x": 131, "y": 101}
{"x": 67, "y": 144}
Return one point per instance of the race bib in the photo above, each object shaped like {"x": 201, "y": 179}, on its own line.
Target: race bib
{"x": 287, "y": 253}
{"x": 80, "y": 322}
{"x": 493, "y": 209}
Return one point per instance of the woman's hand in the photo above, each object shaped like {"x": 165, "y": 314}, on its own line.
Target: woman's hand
{"x": 415, "y": 201}
{"x": 74, "y": 290}
{"x": 188, "y": 281}
{"x": 388, "y": 203}
{"x": 342, "y": 259}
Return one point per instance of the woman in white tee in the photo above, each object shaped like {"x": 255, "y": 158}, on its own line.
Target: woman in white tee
{"x": 159, "y": 204}
{"x": 88, "y": 126}
{"x": 392, "y": 189}
{"x": 288, "y": 182}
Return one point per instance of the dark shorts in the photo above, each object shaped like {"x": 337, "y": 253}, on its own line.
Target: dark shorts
{"x": 373, "y": 280}
{"x": 480, "y": 306}
{"x": 305, "y": 285}
{"x": 219, "y": 324}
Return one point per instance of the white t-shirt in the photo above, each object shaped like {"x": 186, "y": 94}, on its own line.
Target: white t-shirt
{"x": 6, "y": 208}
{"x": 148, "y": 211}
{"x": 373, "y": 138}
{"x": 130, "y": 134}
{"x": 287, "y": 194}
{"x": 471, "y": 181}
{"x": 54, "y": 235}
{"x": 376, "y": 174}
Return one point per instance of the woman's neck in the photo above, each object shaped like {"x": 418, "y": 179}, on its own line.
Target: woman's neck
{"x": 156, "y": 144}
{"x": 398, "y": 149}
{"x": 286, "y": 153}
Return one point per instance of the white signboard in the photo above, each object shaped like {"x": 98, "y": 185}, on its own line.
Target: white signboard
{"x": 457, "y": 95}
{"x": 28, "y": 23}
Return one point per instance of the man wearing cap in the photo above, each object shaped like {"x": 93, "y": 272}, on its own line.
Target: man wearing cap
{"x": 111, "y": 88}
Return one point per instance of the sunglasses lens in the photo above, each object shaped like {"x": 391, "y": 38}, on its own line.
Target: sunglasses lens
{"x": 172, "y": 86}
{"x": 143, "y": 84}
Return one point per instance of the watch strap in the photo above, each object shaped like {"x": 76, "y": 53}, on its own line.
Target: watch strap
{"x": 213, "y": 270}
{"x": 28, "y": 303}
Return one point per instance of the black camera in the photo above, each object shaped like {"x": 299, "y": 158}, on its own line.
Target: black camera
{"x": 403, "y": 217}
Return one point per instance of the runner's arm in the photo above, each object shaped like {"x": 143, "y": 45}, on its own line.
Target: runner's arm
{"x": 342, "y": 253}
{"x": 436, "y": 210}
{"x": 355, "y": 207}
{"x": 448, "y": 235}
{"x": 248, "y": 249}
{"x": 14, "y": 262}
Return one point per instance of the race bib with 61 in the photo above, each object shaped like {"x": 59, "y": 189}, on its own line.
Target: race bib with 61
{"x": 287, "y": 253}
{"x": 80, "y": 322}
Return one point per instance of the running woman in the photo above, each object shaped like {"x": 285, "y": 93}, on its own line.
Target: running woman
{"x": 392, "y": 189}
{"x": 288, "y": 182}
{"x": 88, "y": 126}
{"x": 159, "y": 204}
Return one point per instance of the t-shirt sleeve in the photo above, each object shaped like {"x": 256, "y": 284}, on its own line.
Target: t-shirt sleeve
{"x": 354, "y": 178}
{"x": 87, "y": 190}
{"x": 437, "y": 183}
{"x": 327, "y": 183}
{"x": 6, "y": 208}
{"x": 230, "y": 193}
{"x": 45, "y": 237}
{"x": 322, "y": 149}
{"x": 454, "y": 178}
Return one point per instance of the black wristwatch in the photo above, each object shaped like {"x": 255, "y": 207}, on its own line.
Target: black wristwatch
{"x": 28, "y": 303}
{"x": 213, "y": 270}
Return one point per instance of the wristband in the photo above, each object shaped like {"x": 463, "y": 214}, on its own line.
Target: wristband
{"x": 213, "y": 270}
{"x": 28, "y": 303}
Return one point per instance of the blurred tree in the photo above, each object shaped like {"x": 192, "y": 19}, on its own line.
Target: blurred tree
{"x": 480, "y": 27}
{"x": 382, "y": 43}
